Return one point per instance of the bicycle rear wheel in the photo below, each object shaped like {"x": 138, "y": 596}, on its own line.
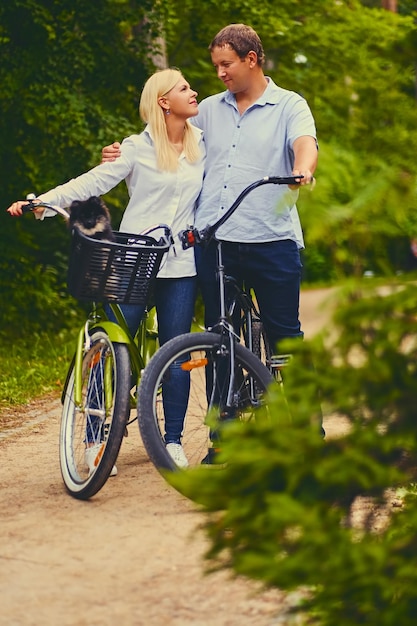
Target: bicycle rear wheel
{"x": 275, "y": 363}
{"x": 100, "y": 422}
{"x": 205, "y": 357}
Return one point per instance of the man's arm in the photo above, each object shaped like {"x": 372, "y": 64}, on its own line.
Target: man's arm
{"x": 110, "y": 153}
{"x": 305, "y": 158}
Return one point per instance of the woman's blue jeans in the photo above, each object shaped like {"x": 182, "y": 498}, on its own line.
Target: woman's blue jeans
{"x": 174, "y": 300}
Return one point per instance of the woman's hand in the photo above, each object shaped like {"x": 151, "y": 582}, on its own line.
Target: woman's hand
{"x": 15, "y": 209}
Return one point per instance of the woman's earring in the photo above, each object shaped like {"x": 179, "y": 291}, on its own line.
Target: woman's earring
{"x": 167, "y": 112}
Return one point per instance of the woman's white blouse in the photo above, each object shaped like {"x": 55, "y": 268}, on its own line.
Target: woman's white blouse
{"x": 155, "y": 197}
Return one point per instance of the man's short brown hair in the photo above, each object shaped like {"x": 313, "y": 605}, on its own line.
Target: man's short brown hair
{"x": 242, "y": 39}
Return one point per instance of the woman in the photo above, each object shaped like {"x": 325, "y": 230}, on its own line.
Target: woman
{"x": 163, "y": 169}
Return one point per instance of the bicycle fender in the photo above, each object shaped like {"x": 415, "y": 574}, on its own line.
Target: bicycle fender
{"x": 113, "y": 330}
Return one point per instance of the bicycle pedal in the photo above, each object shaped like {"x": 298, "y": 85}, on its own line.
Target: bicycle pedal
{"x": 280, "y": 360}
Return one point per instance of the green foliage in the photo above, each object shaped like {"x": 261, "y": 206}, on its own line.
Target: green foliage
{"x": 357, "y": 220}
{"x": 355, "y": 65}
{"x": 301, "y": 513}
{"x": 71, "y": 75}
{"x": 68, "y": 73}
{"x": 31, "y": 368}
{"x": 33, "y": 284}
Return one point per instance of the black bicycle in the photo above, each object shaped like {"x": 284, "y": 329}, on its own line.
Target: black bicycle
{"x": 229, "y": 370}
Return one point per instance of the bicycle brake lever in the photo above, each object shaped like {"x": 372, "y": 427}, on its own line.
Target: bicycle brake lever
{"x": 191, "y": 236}
{"x": 188, "y": 237}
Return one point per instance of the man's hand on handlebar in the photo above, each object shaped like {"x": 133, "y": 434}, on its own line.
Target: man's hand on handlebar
{"x": 110, "y": 153}
{"x": 307, "y": 178}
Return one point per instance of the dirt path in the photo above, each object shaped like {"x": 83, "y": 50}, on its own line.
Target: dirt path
{"x": 131, "y": 556}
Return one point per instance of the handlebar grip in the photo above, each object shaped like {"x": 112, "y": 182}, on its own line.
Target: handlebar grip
{"x": 285, "y": 180}
{"x": 28, "y": 208}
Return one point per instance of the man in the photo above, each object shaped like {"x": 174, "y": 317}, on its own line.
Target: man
{"x": 252, "y": 130}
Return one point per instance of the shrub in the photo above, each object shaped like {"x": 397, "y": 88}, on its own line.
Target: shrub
{"x": 302, "y": 513}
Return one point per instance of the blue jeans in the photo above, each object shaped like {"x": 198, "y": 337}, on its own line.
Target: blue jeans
{"x": 174, "y": 300}
{"x": 272, "y": 269}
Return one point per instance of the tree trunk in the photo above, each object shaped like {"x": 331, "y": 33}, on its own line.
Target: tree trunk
{"x": 390, "y": 5}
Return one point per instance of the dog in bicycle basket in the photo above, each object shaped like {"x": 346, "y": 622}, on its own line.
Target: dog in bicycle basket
{"x": 92, "y": 218}
{"x": 106, "y": 265}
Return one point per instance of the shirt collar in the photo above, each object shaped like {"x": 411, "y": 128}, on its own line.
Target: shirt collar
{"x": 269, "y": 96}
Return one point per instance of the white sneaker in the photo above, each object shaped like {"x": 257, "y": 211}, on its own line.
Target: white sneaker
{"x": 177, "y": 454}
{"x": 90, "y": 456}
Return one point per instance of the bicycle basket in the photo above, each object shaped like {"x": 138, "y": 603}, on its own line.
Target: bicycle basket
{"x": 114, "y": 271}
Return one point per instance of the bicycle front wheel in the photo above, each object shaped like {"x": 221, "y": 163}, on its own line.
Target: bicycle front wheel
{"x": 91, "y": 433}
{"x": 204, "y": 357}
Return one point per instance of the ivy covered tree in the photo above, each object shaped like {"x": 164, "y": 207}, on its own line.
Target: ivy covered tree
{"x": 71, "y": 73}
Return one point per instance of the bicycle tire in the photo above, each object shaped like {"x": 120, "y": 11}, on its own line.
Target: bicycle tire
{"x": 262, "y": 349}
{"x": 260, "y": 342}
{"x": 197, "y": 349}
{"x": 105, "y": 424}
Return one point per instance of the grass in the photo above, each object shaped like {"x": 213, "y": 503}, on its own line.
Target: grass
{"x": 33, "y": 367}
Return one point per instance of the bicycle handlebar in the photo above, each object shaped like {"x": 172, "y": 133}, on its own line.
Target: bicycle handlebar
{"x": 32, "y": 206}
{"x": 191, "y": 236}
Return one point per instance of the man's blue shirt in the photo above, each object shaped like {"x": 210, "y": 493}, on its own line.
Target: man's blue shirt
{"x": 244, "y": 148}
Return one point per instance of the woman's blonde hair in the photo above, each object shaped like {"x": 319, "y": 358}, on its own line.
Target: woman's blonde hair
{"x": 158, "y": 85}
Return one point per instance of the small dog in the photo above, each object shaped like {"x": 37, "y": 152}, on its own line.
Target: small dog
{"x": 92, "y": 218}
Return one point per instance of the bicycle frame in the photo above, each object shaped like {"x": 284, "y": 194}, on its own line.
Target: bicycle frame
{"x": 224, "y": 325}
{"x": 228, "y": 380}
{"x": 250, "y": 315}
{"x": 192, "y": 236}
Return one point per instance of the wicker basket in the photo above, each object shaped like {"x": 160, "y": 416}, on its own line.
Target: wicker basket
{"x": 114, "y": 271}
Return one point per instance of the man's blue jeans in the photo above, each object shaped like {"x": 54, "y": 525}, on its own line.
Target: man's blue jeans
{"x": 272, "y": 269}
{"x": 174, "y": 300}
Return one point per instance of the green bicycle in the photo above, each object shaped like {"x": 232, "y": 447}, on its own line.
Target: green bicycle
{"x": 100, "y": 387}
